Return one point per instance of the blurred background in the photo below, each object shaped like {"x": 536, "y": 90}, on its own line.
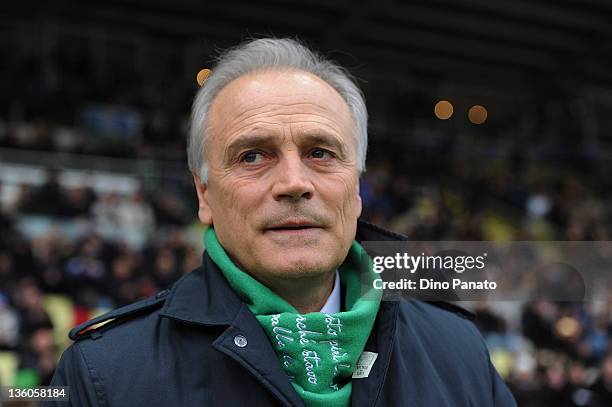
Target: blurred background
{"x": 489, "y": 120}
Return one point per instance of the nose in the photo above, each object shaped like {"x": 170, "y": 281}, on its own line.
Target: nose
{"x": 293, "y": 180}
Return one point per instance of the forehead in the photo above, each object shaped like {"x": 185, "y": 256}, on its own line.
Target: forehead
{"x": 277, "y": 97}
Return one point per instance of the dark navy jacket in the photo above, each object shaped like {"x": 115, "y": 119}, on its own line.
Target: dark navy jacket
{"x": 180, "y": 348}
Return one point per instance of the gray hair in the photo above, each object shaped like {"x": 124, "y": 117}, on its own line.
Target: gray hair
{"x": 262, "y": 54}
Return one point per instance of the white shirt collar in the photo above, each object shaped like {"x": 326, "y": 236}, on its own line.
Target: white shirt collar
{"x": 333, "y": 301}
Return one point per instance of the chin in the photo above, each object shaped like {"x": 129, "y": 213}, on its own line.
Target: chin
{"x": 300, "y": 267}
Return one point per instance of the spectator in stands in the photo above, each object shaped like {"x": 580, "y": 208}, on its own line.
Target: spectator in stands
{"x": 602, "y": 388}
{"x": 37, "y": 358}
{"x": 48, "y": 199}
{"x": 9, "y": 324}
{"x": 136, "y": 219}
{"x": 32, "y": 314}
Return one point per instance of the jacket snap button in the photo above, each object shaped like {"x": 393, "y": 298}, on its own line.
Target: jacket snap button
{"x": 240, "y": 341}
{"x": 162, "y": 293}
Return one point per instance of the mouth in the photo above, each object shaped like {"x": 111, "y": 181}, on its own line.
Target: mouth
{"x": 294, "y": 228}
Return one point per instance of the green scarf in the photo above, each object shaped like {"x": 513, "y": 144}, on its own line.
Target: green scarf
{"x": 317, "y": 351}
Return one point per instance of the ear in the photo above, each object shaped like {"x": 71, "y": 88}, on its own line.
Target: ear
{"x": 204, "y": 211}
{"x": 358, "y": 203}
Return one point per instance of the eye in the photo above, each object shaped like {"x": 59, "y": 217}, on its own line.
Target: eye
{"x": 320, "y": 153}
{"x": 252, "y": 157}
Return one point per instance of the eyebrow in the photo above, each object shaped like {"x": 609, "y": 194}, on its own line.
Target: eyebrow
{"x": 263, "y": 140}
{"x": 247, "y": 141}
{"x": 325, "y": 139}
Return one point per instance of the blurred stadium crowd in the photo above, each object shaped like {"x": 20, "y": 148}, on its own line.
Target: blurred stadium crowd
{"x": 70, "y": 250}
{"x": 68, "y": 253}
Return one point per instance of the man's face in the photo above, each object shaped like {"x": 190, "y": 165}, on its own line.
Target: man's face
{"x": 283, "y": 186}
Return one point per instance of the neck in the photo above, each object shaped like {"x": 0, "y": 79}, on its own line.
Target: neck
{"x": 307, "y": 294}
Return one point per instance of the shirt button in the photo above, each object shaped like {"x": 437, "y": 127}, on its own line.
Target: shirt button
{"x": 240, "y": 341}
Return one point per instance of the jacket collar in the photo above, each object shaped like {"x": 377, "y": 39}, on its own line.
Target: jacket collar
{"x": 204, "y": 296}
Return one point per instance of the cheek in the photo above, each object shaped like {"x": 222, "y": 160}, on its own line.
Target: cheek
{"x": 343, "y": 195}
{"x": 235, "y": 201}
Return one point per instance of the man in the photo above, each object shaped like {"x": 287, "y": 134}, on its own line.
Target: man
{"x": 275, "y": 315}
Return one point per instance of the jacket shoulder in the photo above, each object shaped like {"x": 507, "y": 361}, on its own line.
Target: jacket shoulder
{"x": 96, "y": 326}
{"x": 436, "y": 311}
{"x": 454, "y": 308}
{"x": 448, "y": 321}
{"x": 440, "y": 325}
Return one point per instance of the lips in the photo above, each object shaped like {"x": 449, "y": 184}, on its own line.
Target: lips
{"x": 293, "y": 226}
